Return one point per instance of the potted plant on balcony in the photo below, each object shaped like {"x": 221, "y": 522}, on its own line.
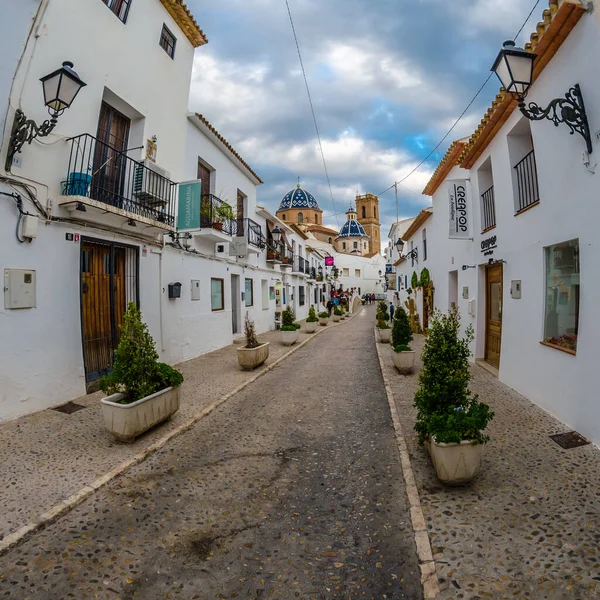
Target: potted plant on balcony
{"x": 450, "y": 418}
{"x": 311, "y": 320}
{"x": 383, "y": 329}
{"x": 403, "y": 355}
{"x": 253, "y": 354}
{"x": 222, "y": 212}
{"x": 141, "y": 392}
{"x": 290, "y": 331}
{"x": 323, "y": 318}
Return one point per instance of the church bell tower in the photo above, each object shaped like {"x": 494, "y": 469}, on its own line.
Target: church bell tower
{"x": 367, "y": 207}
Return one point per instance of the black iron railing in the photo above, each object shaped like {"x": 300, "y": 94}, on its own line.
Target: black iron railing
{"x": 287, "y": 257}
{"x": 488, "y": 209}
{"x": 252, "y": 231}
{"x": 527, "y": 182}
{"x": 217, "y": 214}
{"x": 105, "y": 174}
{"x": 274, "y": 252}
{"x": 312, "y": 273}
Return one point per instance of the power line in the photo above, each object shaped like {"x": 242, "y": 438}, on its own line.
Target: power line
{"x": 313, "y": 112}
{"x": 461, "y": 114}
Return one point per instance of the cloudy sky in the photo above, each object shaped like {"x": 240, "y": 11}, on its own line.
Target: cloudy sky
{"x": 387, "y": 77}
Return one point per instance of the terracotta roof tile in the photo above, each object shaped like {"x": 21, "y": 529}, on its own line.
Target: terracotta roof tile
{"x": 449, "y": 161}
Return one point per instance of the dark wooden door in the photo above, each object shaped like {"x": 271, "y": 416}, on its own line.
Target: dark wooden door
{"x": 206, "y": 208}
{"x": 493, "y": 329}
{"x": 240, "y": 213}
{"x": 109, "y": 169}
{"x": 104, "y": 284}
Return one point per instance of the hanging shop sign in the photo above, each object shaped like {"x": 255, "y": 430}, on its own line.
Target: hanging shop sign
{"x": 188, "y": 206}
{"x": 488, "y": 246}
{"x": 459, "y": 210}
{"x": 329, "y": 261}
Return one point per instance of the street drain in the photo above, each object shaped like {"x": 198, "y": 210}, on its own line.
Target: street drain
{"x": 69, "y": 408}
{"x": 568, "y": 440}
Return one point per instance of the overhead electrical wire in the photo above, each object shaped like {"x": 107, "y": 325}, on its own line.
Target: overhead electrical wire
{"x": 461, "y": 114}
{"x": 312, "y": 108}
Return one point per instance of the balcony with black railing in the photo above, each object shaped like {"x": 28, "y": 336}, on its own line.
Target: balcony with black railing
{"x": 287, "y": 258}
{"x": 488, "y": 209}
{"x": 217, "y": 214}
{"x": 312, "y": 273}
{"x": 104, "y": 185}
{"x": 274, "y": 253}
{"x": 526, "y": 177}
{"x": 252, "y": 231}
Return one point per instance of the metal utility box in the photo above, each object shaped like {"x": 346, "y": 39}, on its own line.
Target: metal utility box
{"x": 515, "y": 289}
{"x": 19, "y": 288}
{"x": 30, "y": 227}
{"x": 195, "y": 289}
{"x": 175, "y": 290}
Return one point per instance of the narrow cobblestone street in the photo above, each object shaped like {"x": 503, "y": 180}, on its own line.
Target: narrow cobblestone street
{"x": 292, "y": 489}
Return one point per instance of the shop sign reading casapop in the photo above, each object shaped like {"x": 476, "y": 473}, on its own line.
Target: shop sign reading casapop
{"x": 459, "y": 210}
{"x": 188, "y": 206}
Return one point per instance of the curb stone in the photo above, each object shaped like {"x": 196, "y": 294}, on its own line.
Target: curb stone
{"x": 429, "y": 579}
{"x": 62, "y": 508}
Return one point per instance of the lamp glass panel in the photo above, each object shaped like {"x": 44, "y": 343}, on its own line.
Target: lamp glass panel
{"x": 68, "y": 90}
{"x": 51, "y": 91}
{"x": 504, "y": 74}
{"x": 520, "y": 67}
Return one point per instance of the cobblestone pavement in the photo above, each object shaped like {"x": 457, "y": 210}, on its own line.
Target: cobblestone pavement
{"x": 292, "y": 489}
{"x": 57, "y": 454}
{"x": 529, "y": 526}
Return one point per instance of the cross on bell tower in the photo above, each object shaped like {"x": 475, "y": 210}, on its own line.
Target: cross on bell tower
{"x": 367, "y": 208}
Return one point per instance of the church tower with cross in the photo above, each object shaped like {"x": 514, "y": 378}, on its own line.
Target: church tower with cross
{"x": 367, "y": 209}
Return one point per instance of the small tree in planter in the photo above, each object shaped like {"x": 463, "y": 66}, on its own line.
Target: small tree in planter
{"x": 254, "y": 353}
{"x": 311, "y": 320}
{"x": 289, "y": 329}
{"x": 337, "y": 314}
{"x": 323, "y": 318}
{"x": 383, "y": 329}
{"x": 402, "y": 354}
{"x": 141, "y": 392}
{"x": 450, "y": 417}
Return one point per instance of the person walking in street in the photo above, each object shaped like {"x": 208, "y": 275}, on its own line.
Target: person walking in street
{"x": 391, "y": 311}
{"x": 329, "y": 306}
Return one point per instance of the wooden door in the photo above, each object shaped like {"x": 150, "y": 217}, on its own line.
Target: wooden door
{"x": 493, "y": 329}
{"x": 240, "y": 213}
{"x": 109, "y": 169}
{"x": 104, "y": 284}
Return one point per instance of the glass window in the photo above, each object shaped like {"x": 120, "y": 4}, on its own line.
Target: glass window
{"x": 301, "y": 292}
{"x": 119, "y": 7}
{"x": 300, "y": 217}
{"x": 356, "y": 272}
{"x": 561, "y": 321}
{"x": 344, "y": 245}
{"x": 356, "y": 245}
{"x": 167, "y": 41}
{"x": 217, "y": 294}
{"x": 249, "y": 296}
{"x": 346, "y": 272}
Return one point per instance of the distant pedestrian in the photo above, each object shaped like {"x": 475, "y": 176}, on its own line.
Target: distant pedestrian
{"x": 391, "y": 311}
{"x": 329, "y": 306}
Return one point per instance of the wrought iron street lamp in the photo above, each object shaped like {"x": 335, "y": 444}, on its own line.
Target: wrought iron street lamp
{"x": 320, "y": 270}
{"x": 60, "y": 89}
{"x": 413, "y": 254}
{"x": 514, "y": 68}
{"x": 276, "y": 235}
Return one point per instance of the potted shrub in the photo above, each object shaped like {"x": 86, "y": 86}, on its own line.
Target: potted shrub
{"x": 311, "y": 320}
{"x": 450, "y": 418}
{"x": 323, "y": 318}
{"x": 337, "y": 314}
{"x": 141, "y": 392}
{"x": 290, "y": 331}
{"x": 253, "y": 354}
{"x": 223, "y": 212}
{"x": 383, "y": 329}
{"x": 403, "y": 355}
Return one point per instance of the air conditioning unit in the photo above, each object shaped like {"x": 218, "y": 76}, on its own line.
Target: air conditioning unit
{"x": 222, "y": 249}
{"x": 151, "y": 183}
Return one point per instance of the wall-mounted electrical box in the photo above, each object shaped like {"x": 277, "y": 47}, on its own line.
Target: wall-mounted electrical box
{"x": 175, "y": 290}
{"x": 465, "y": 293}
{"x": 472, "y": 307}
{"x": 19, "y": 288}
{"x": 515, "y": 289}
{"x": 30, "y": 227}
{"x": 195, "y": 289}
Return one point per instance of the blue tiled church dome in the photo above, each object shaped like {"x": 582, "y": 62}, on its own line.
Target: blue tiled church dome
{"x": 352, "y": 228}
{"x": 298, "y": 198}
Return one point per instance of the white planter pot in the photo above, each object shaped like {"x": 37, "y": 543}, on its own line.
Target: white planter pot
{"x": 385, "y": 335}
{"x": 311, "y": 327}
{"x": 323, "y": 321}
{"x": 127, "y": 421}
{"x": 456, "y": 464}
{"x": 250, "y": 358}
{"x": 403, "y": 361}
{"x": 336, "y": 318}
{"x": 289, "y": 338}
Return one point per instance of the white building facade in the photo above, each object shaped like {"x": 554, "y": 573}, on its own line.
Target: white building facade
{"x": 524, "y": 273}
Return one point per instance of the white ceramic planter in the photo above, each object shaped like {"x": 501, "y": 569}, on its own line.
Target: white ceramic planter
{"x": 288, "y": 338}
{"x": 456, "y": 464}
{"x": 385, "y": 335}
{"x": 323, "y": 321}
{"x": 127, "y": 421}
{"x": 311, "y": 327}
{"x": 403, "y": 361}
{"x": 336, "y": 318}
{"x": 250, "y": 358}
